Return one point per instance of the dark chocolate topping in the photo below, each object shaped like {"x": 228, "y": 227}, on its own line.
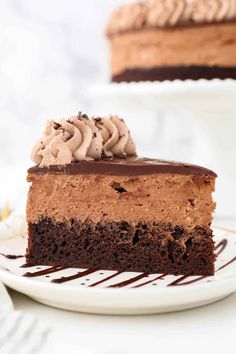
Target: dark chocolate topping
{"x": 122, "y": 167}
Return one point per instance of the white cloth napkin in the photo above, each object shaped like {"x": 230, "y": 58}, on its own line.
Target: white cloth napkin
{"x": 13, "y": 226}
{"x": 21, "y": 333}
{"x": 5, "y": 300}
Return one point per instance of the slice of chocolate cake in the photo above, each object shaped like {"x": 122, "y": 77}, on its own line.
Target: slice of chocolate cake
{"x": 173, "y": 39}
{"x": 94, "y": 203}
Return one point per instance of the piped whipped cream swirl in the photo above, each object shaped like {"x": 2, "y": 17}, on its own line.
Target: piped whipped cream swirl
{"x": 213, "y": 10}
{"x": 170, "y": 13}
{"x": 82, "y": 139}
{"x": 116, "y": 137}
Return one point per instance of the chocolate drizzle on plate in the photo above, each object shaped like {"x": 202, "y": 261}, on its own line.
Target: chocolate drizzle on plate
{"x": 160, "y": 277}
{"x": 226, "y": 264}
{"x": 221, "y": 246}
{"x": 11, "y": 256}
{"x": 43, "y": 272}
{"x": 129, "y": 281}
{"x": 188, "y": 282}
{"x": 72, "y": 277}
{"x": 107, "y": 278}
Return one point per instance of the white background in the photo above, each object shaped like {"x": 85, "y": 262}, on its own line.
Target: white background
{"x": 50, "y": 51}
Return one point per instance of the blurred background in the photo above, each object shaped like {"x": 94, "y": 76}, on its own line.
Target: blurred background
{"x": 50, "y": 51}
{"x": 55, "y": 62}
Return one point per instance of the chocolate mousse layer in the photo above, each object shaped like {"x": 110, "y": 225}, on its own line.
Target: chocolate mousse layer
{"x": 192, "y": 52}
{"x": 169, "y": 197}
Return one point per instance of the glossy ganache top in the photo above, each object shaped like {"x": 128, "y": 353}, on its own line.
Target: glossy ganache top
{"x": 121, "y": 167}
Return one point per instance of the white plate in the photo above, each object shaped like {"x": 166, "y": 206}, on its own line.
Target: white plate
{"x": 156, "y": 295}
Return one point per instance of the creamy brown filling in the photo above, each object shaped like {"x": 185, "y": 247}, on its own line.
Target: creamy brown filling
{"x": 210, "y": 45}
{"x": 178, "y": 199}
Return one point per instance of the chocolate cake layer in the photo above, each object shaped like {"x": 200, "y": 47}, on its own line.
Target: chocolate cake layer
{"x": 150, "y": 247}
{"x": 121, "y": 167}
{"x": 175, "y": 73}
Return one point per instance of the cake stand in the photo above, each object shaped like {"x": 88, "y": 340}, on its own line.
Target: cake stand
{"x": 192, "y": 121}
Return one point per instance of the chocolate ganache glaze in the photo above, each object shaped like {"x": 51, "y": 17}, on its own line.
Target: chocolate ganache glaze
{"x": 122, "y": 167}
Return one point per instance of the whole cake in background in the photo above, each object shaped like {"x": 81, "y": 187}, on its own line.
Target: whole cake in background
{"x": 173, "y": 39}
{"x": 93, "y": 203}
